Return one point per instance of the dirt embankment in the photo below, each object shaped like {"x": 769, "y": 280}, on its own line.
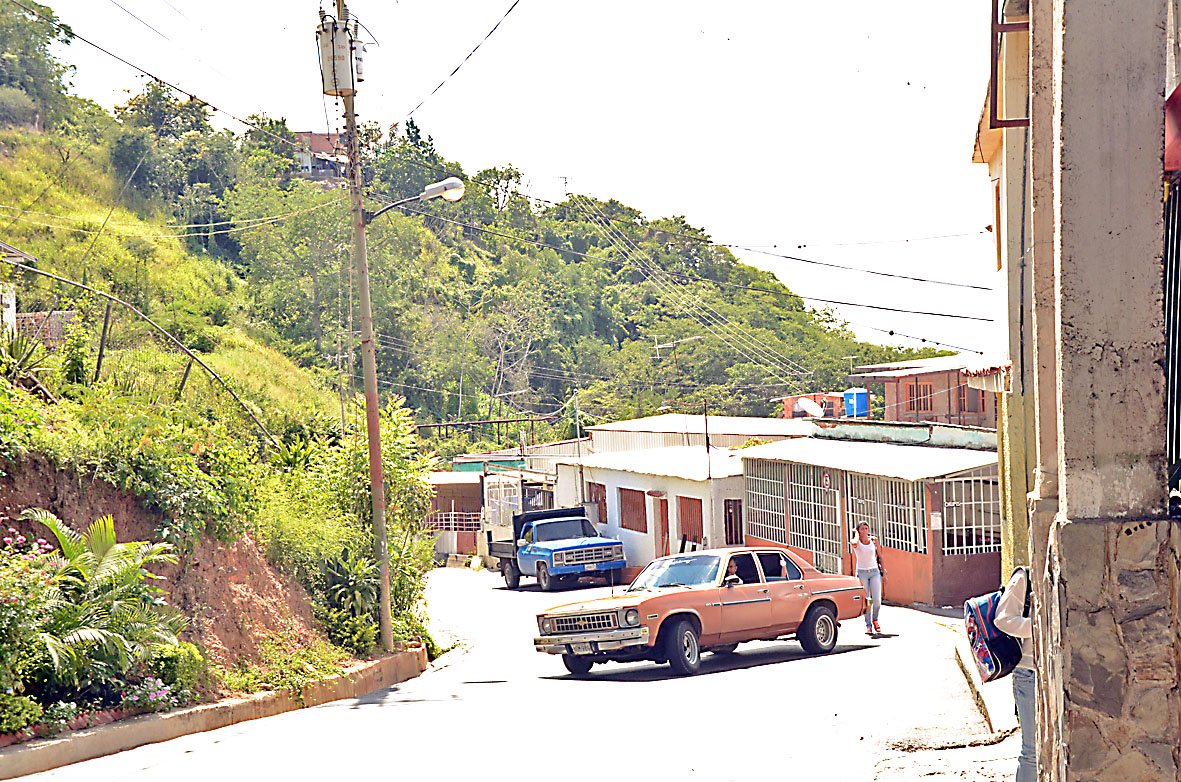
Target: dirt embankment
{"x": 231, "y": 594}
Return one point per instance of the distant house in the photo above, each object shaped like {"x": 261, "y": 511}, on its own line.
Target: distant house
{"x": 320, "y": 154}
{"x": 931, "y": 389}
{"x": 830, "y": 403}
{"x": 454, "y": 518}
{"x": 657, "y": 500}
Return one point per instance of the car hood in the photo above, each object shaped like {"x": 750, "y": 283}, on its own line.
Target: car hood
{"x": 569, "y": 543}
{"x": 599, "y": 604}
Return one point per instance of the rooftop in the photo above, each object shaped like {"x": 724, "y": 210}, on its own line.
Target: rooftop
{"x": 960, "y": 362}
{"x": 681, "y": 461}
{"x": 445, "y": 477}
{"x": 681, "y": 423}
{"x": 890, "y": 460}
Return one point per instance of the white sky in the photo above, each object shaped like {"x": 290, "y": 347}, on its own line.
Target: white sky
{"x": 834, "y": 131}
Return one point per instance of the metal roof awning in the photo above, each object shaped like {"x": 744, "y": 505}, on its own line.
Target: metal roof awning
{"x": 682, "y": 461}
{"x": 889, "y": 460}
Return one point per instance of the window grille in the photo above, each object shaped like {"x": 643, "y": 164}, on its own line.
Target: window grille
{"x": 894, "y": 509}
{"x": 597, "y": 493}
{"x": 972, "y": 514}
{"x": 919, "y": 397}
{"x": 970, "y": 400}
{"x": 814, "y": 522}
{"x": 766, "y": 512}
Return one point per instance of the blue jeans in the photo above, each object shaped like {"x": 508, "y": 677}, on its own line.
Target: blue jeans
{"x": 872, "y": 581}
{"x": 1024, "y": 683}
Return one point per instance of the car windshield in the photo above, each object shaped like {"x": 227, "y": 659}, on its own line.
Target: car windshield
{"x": 678, "y": 571}
{"x": 566, "y": 528}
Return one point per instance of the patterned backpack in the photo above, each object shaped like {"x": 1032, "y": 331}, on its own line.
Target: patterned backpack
{"x": 996, "y": 653}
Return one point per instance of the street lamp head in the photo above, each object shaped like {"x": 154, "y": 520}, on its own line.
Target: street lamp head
{"x": 450, "y": 189}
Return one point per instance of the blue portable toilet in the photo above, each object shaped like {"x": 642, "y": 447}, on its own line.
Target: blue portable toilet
{"x": 856, "y": 403}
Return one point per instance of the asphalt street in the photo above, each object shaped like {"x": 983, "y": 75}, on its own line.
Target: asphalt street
{"x": 876, "y": 708}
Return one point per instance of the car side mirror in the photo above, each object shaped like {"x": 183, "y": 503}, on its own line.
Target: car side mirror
{"x": 521, "y": 542}
{"x": 731, "y": 581}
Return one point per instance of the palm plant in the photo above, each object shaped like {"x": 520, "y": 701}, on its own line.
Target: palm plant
{"x": 21, "y": 356}
{"x": 102, "y": 615}
{"x": 351, "y": 583}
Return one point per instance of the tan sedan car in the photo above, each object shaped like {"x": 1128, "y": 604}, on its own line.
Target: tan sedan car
{"x": 709, "y": 600}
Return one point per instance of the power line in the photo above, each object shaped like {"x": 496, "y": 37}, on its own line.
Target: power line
{"x": 141, "y": 21}
{"x": 465, "y": 59}
{"x": 683, "y": 275}
{"x": 857, "y": 269}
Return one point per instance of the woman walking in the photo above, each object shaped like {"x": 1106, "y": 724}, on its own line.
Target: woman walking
{"x": 868, "y": 570}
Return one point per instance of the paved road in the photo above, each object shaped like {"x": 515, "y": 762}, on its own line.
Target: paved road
{"x": 494, "y": 708}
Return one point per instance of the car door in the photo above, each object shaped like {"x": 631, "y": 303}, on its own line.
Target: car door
{"x": 789, "y": 597}
{"x": 528, "y": 555}
{"x": 746, "y": 607}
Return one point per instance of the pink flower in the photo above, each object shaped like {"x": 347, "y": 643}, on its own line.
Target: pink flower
{"x": 151, "y": 696}
{"x": 20, "y": 538}
{"x": 7, "y": 540}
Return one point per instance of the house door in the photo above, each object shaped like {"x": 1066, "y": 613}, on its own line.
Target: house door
{"x": 662, "y": 549}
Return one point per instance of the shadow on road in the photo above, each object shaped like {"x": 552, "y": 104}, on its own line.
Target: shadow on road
{"x": 710, "y": 663}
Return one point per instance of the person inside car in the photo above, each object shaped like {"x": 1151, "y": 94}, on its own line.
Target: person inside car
{"x": 732, "y": 570}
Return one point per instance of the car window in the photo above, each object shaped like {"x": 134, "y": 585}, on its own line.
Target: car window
{"x": 746, "y": 568}
{"x": 678, "y": 571}
{"x": 777, "y": 567}
{"x": 528, "y": 534}
{"x": 563, "y": 529}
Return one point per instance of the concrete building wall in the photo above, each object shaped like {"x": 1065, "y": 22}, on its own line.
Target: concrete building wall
{"x": 641, "y": 547}
{"x": 1106, "y": 625}
{"x": 944, "y": 401}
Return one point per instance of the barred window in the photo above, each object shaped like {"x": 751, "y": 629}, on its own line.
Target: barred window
{"x": 919, "y": 397}
{"x": 765, "y": 512}
{"x": 733, "y": 513}
{"x": 970, "y": 400}
{"x": 972, "y": 514}
{"x": 597, "y": 493}
{"x": 814, "y": 521}
{"x": 895, "y": 510}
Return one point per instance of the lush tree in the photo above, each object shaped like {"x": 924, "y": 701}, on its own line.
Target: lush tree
{"x": 27, "y": 63}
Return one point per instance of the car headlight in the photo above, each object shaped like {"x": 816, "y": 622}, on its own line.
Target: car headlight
{"x": 559, "y": 558}
{"x": 547, "y": 625}
{"x": 631, "y": 617}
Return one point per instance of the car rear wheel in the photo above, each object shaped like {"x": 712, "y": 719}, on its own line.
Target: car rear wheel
{"x": 544, "y": 579}
{"x": 512, "y": 574}
{"x": 577, "y": 664}
{"x": 818, "y": 633}
{"x": 682, "y": 649}
{"x": 727, "y": 649}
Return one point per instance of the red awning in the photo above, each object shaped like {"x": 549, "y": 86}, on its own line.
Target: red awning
{"x": 1173, "y": 131}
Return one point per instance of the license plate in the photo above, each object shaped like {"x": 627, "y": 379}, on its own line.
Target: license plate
{"x": 581, "y": 648}
{"x": 592, "y": 566}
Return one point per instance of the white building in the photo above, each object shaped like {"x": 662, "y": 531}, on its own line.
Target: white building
{"x": 653, "y": 499}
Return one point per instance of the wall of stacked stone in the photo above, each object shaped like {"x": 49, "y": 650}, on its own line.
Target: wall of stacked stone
{"x": 1113, "y": 653}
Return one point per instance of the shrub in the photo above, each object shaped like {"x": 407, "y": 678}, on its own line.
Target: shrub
{"x": 182, "y": 667}
{"x": 24, "y": 576}
{"x": 75, "y": 353}
{"x": 16, "y": 108}
{"x": 284, "y": 664}
{"x": 357, "y": 634}
{"x": 152, "y": 694}
{"x": 18, "y": 712}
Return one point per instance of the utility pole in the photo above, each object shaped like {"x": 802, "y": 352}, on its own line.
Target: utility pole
{"x": 346, "y": 88}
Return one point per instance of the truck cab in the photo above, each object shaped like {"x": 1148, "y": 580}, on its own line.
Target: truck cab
{"x": 557, "y": 546}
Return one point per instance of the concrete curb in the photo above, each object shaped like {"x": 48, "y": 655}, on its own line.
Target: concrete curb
{"x": 995, "y": 701}
{"x": 45, "y": 754}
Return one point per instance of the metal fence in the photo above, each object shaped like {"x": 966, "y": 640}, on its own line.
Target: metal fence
{"x": 765, "y": 508}
{"x": 815, "y": 521}
{"x": 972, "y": 514}
{"x": 453, "y": 521}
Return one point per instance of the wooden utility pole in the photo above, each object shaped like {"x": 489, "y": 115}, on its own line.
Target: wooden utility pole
{"x": 368, "y": 353}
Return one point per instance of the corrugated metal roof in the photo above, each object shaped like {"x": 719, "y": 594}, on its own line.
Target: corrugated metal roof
{"x": 680, "y": 423}
{"x": 684, "y": 461}
{"x": 443, "y": 477}
{"x": 908, "y": 462}
{"x": 921, "y": 366}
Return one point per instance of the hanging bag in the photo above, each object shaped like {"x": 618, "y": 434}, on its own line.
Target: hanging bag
{"x": 995, "y": 653}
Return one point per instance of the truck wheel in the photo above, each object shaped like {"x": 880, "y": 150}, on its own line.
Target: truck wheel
{"x": 818, "y": 633}
{"x": 684, "y": 654}
{"x": 512, "y": 574}
{"x": 577, "y": 664}
{"x": 544, "y": 579}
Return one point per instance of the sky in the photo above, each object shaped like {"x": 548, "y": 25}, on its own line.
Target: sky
{"x": 837, "y": 132}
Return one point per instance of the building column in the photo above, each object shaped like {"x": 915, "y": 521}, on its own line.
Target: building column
{"x": 1109, "y": 604}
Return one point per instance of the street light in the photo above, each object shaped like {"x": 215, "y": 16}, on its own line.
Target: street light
{"x": 450, "y": 189}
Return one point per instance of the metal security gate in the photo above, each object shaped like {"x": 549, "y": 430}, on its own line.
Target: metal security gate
{"x": 814, "y": 520}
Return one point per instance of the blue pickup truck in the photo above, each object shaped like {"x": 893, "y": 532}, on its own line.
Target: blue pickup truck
{"x": 556, "y": 546}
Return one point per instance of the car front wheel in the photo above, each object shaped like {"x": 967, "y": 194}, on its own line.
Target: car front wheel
{"x": 818, "y": 633}
{"x": 576, "y": 664}
{"x": 544, "y": 579}
{"x": 682, "y": 649}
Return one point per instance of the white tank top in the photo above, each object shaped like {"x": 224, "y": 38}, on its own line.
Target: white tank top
{"x": 866, "y": 555}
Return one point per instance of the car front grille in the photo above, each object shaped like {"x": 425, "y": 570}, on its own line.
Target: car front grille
{"x": 582, "y": 556}
{"x": 585, "y": 623}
